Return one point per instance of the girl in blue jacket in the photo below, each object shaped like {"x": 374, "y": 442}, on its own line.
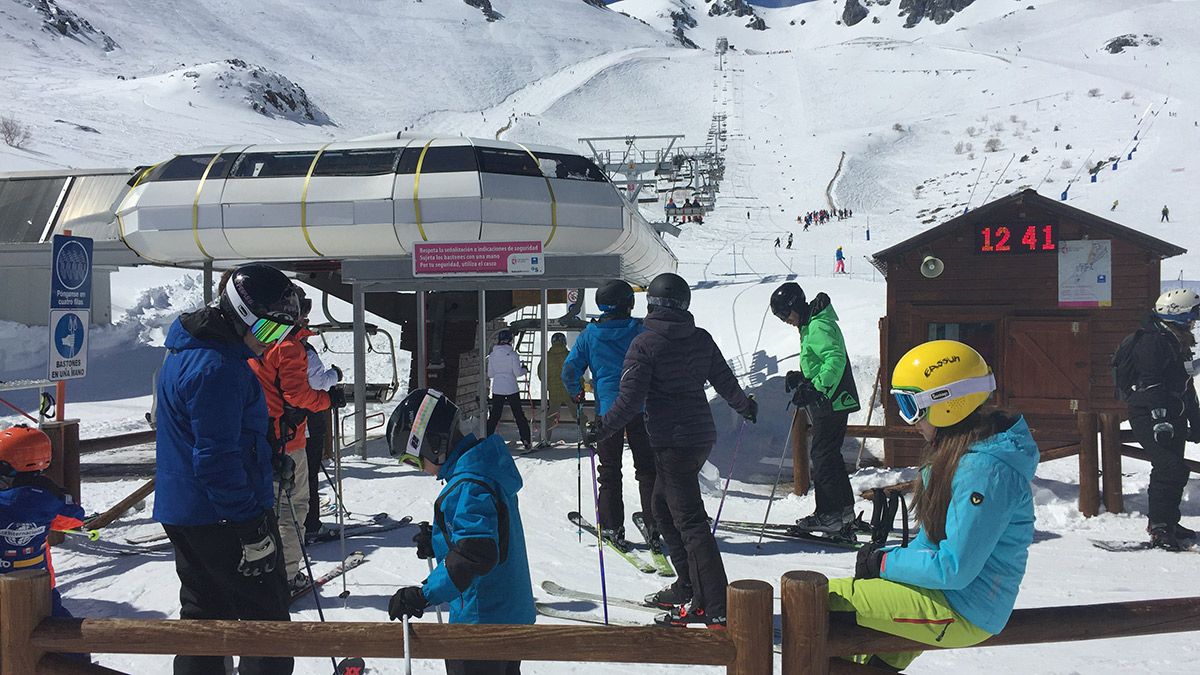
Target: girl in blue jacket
{"x": 956, "y": 584}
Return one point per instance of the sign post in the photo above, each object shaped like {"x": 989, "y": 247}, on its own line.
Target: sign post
{"x": 70, "y": 307}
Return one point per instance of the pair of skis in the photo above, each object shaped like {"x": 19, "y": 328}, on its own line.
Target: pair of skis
{"x": 353, "y": 560}
{"x": 659, "y": 564}
{"x": 789, "y": 531}
{"x": 378, "y": 523}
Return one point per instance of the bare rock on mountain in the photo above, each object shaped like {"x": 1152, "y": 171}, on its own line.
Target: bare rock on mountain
{"x": 680, "y": 22}
{"x": 64, "y": 22}
{"x": 485, "y": 6}
{"x": 939, "y": 11}
{"x": 1122, "y": 42}
{"x": 853, "y": 12}
{"x": 736, "y": 8}
{"x": 596, "y": 3}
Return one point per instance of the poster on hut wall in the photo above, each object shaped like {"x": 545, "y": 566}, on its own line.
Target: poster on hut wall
{"x": 1085, "y": 273}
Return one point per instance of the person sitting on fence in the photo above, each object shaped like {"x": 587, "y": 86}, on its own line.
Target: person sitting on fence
{"x": 31, "y": 505}
{"x": 477, "y": 536}
{"x": 956, "y": 584}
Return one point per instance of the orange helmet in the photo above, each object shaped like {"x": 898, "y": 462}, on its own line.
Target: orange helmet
{"x": 24, "y": 449}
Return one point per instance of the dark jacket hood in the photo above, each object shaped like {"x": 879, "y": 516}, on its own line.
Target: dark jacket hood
{"x": 819, "y": 304}
{"x": 206, "y": 329}
{"x": 671, "y": 323}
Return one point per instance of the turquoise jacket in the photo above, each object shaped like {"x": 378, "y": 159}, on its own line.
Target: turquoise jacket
{"x": 483, "y": 570}
{"x": 601, "y": 347}
{"x": 989, "y": 527}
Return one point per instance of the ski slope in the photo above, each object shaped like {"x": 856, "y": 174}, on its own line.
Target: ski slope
{"x": 796, "y": 97}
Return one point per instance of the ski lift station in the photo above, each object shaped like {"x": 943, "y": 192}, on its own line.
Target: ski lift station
{"x": 1044, "y": 291}
{"x": 447, "y": 236}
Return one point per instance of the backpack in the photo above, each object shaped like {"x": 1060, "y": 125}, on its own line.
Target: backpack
{"x": 1124, "y": 376}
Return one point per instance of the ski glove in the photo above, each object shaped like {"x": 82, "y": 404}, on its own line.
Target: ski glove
{"x": 337, "y": 395}
{"x": 869, "y": 562}
{"x": 284, "y": 468}
{"x": 424, "y": 540}
{"x": 338, "y": 371}
{"x": 751, "y": 413}
{"x": 593, "y": 433}
{"x": 1164, "y": 431}
{"x": 259, "y": 554}
{"x": 408, "y": 601}
{"x": 793, "y": 380}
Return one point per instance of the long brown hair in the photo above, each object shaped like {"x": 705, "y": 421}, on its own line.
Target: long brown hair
{"x": 932, "y": 498}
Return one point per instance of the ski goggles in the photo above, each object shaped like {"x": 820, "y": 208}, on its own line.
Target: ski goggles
{"x": 913, "y": 405}
{"x": 270, "y": 331}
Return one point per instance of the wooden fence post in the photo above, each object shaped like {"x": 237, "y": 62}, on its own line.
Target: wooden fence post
{"x": 1110, "y": 460}
{"x": 800, "y": 476}
{"x": 805, "y": 623}
{"x": 64, "y": 455}
{"x": 751, "y": 625}
{"x": 24, "y": 602}
{"x": 1089, "y": 465}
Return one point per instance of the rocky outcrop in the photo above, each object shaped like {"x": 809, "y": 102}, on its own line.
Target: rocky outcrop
{"x": 939, "y": 11}
{"x": 853, "y": 12}
{"x": 1122, "y": 42}
{"x": 64, "y": 22}
{"x": 595, "y": 3}
{"x": 680, "y": 22}
{"x": 736, "y": 8}
{"x": 485, "y": 6}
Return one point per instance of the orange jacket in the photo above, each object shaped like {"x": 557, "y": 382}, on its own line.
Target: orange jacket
{"x": 283, "y": 372}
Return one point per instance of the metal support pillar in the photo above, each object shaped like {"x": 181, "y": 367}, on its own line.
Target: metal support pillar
{"x": 208, "y": 282}
{"x": 482, "y": 386}
{"x": 360, "y": 368}
{"x": 422, "y": 342}
{"x": 545, "y": 366}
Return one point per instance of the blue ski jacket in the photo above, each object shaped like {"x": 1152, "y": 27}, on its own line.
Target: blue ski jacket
{"x": 989, "y": 527}
{"x": 483, "y": 569}
{"x": 28, "y": 512}
{"x": 213, "y": 460}
{"x": 601, "y": 347}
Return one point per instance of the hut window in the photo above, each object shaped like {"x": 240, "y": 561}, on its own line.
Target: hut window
{"x": 981, "y": 336}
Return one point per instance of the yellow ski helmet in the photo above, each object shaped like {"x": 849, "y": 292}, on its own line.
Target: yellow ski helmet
{"x": 944, "y": 379}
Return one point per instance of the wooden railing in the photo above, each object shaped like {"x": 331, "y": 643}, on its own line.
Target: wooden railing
{"x": 28, "y": 637}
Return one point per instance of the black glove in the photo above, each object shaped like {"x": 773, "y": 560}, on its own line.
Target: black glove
{"x": 408, "y": 601}
{"x": 424, "y": 540}
{"x": 578, "y": 398}
{"x": 593, "y": 433}
{"x": 751, "y": 413}
{"x": 806, "y": 394}
{"x": 337, "y": 395}
{"x": 259, "y": 554}
{"x": 870, "y": 559}
{"x": 338, "y": 371}
{"x": 1164, "y": 431}
{"x": 793, "y": 380}
{"x": 284, "y": 468}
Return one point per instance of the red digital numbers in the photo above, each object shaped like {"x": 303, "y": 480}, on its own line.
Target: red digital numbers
{"x": 1003, "y": 238}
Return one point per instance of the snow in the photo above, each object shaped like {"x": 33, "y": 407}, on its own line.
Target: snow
{"x": 895, "y": 101}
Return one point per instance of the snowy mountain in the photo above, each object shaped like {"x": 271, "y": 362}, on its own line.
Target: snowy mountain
{"x": 908, "y": 122}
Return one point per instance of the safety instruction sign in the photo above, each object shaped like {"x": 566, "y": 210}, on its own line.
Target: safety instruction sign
{"x": 474, "y": 258}
{"x": 1085, "y": 273}
{"x": 70, "y": 307}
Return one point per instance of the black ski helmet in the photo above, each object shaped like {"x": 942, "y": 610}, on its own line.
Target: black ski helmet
{"x": 423, "y": 426}
{"x": 669, "y": 290}
{"x": 788, "y": 298}
{"x": 558, "y": 339}
{"x": 257, "y": 295}
{"x": 504, "y": 337}
{"x": 614, "y": 296}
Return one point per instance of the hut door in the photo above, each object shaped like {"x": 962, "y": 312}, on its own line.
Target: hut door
{"x": 1045, "y": 365}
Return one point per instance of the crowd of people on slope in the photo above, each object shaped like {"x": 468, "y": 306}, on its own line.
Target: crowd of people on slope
{"x": 223, "y": 471}
{"x": 822, "y": 216}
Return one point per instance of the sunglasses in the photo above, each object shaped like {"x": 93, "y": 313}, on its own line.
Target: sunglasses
{"x": 914, "y": 405}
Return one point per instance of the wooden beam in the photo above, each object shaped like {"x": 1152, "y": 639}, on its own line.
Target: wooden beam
{"x": 909, "y": 485}
{"x": 24, "y": 601}
{"x": 1136, "y": 452}
{"x": 1047, "y": 624}
{"x": 805, "y": 607}
{"x": 1089, "y": 465}
{"x": 1059, "y": 453}
{"x": 121, "y": 507}
{"x": 751, "y": 614}
{"x": 876, "y": 431}
{"x": 115, "y": 442}
{"x": 542, "y": 642}
{"x": 1110, "y": 462}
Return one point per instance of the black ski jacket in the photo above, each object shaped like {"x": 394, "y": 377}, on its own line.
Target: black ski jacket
{"x": 1159, "y": 375}
{"x": 666, "y": 369}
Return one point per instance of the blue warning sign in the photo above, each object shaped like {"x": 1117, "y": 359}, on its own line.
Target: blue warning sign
{"x": 71, "y": 277}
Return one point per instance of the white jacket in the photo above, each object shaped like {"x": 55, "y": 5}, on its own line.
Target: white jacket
{"x": 504, "y": 367}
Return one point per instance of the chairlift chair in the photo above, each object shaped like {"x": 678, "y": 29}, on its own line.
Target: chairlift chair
{"x": 377, "y": 392}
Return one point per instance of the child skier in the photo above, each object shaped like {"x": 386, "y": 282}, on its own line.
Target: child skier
{"x": 31, "y": 505}
{"x": 477, "y": 536}
{"x": 956, "y": 584}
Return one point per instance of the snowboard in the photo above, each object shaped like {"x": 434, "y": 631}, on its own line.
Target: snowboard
{"x": 628, "y": 556}
{"x": 353, "y": 560}
{"x": 658, "y": 558}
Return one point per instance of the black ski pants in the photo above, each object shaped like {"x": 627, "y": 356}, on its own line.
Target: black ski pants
{"x": 314, "y": 447}
{"x": 497, "y": 410}
{"x": 483, "y": 667}
{"x": 829, "y": 477}
{"x": 1168, "y": 471}
{"x": 610, "y": 452}
{"x": 683, "y": 522}
{"x": 210, "y": 587}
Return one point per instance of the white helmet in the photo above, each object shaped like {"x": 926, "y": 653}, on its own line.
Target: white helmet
{"x": 1181, "y": 305}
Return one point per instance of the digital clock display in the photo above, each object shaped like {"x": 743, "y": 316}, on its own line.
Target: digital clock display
{"x": 1026, "y": 238}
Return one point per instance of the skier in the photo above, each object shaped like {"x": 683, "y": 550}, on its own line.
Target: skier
{"x": 839, "y": 266}
{"x": 213, "y": 461}
{"x": 323, "y": 378}
{"x": 1114, "y": 206}
{"x": 665, "y": 370}
{"x": 504, "y": 367}
{"x": 477, "y": 536}
{"x": 824, "y": 385}
{"x": 601, "y": 348}
{"x": 1163, "y": 409}
{"x": 956, "y": 583}
{"x": 552, "y": 380}
{"x": 1166, "y": 215}
{"x": 789, "y": 244}
{"x": 776, "y": 242}
{"x": 283, "y": 373}
{"x": 31, "y": 506}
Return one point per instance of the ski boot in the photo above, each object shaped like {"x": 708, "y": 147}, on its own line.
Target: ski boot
{"x": 670, "y": 597}
{"x": 1182, "y": 532}
{"x": 650, "y": 533}
{"x": 832, "y": 522}
{"x": 1163, "y": 536}
{"x": 686, "y": 615}
{"x": 616, "y": 537}
{"x": 299, "y": 583}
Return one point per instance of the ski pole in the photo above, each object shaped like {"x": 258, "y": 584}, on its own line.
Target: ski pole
{"x": 337, "y": 494}
{"x": 579, "y": 466}
{"x": 437, "y": 609}
{"x": 729, "y": 475}
{"x": 337, "y": 489}
{"x": 307, "y": 562}
{"x": 599, "y": 538}
{"x": 787, "y": 444}
{"x": 92, "y": 535}
{"x": 407, "y": 649}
